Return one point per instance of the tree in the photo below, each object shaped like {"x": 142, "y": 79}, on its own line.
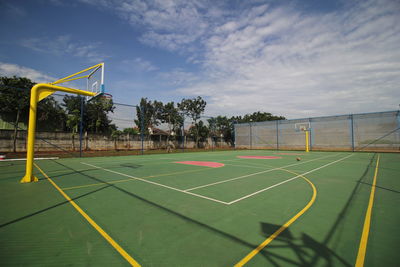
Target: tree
{"x": 95, "y": 114}
{"x": 51, "y": 116}
{"x": 72, "y": 105}
{"x": 221, "y": 126}
{"x": 145, "y": 115}
{"x": 14, "y": 102}
{"x": 115, "y": 135}
{"x": 170, "y": 115}
{"x": 259, "y": 116}
{"x": 131, "y": 131}
{"x": 200, "y": 131}
{"x": 193, "y": 108}
{"x": 97, "y": 119}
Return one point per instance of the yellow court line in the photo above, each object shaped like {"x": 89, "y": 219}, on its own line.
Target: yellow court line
{"x": 126, "y": 180}
{"x": 260, "y": 247}
{"x": 117, "y": 247}
{"x": 97, "y": 184}
{"x": 367, "y": 223}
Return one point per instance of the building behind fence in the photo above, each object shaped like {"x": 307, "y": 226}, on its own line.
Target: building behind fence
{"x": 355, "y": 132}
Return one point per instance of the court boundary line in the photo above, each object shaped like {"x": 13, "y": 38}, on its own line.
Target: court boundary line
{"x": 252, "y": 174}
{"x": 158, "y": 184}
{"x": 97, "y": 227}
{"x": 362, "y": 249}
{"x": 24, "y": 159}
{"x": 265, "y": 243}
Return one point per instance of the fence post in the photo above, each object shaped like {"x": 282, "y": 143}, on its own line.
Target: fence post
{"x": 234, "y": 135}
{"x": 142, "y": 127}
{"x": 81, "y": 127}
{"x": 311, "y": 134}
{"x": 352, "y": 131}
{"x": 277, "y": 135}
{"x": 398, "y": 126}
{"x": 251, "y": 136}
{"x": 183, "y": 132}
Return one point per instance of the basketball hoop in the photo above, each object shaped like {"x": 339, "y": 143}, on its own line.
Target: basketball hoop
{"x": 105, "y": 98}
{"x": 302, "y": 126}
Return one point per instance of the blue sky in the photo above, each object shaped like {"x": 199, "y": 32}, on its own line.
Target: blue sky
{"x": 293, "y": 58}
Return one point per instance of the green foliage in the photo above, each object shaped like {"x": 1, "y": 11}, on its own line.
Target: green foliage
{"x": 170, "y": 115}
{"x": 131, "y": 131}
{"x": 14, "y": 99}
{"x": 14, "y": 102}
{"x": 115, "y": 134}
{"x": 257, "y": 116}
{"x": 97, "y": 119}
{"x": 72, "y": 105}
{"x": 95, "y": 114}
{"x": 221, "y": 126}
{"x": 200, "y": 131}
{"x": 193, "y": 108}
{"x": 51, "y": 116}
{"x": 146, "y": 115}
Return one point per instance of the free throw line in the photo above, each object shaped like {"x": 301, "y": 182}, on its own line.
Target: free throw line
{"x": 109, "y": 239}
{"x": 154, "y": 183}
{"x": 367, "y": 223}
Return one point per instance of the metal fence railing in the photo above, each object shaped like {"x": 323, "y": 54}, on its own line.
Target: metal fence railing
{"x": 379, "y": 131}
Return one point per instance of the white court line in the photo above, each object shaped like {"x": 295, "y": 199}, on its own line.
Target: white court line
{"x": 25, "y": 159}
{"x": 151, "y": 182}
{"x": 248, "y": 175}
{"x": 288, "y": 180}
{"x": 138, "y": 160}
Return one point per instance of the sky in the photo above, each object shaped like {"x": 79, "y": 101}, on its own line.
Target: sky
{"x": 292, "y": 58}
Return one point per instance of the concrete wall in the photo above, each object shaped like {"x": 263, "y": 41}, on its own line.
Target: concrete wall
{"x": 58, "y": 141}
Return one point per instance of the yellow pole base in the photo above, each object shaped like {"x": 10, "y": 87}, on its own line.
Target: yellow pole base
{"x": 28, "y": 179}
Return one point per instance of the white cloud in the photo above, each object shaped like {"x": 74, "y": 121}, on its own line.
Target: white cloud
{"x": 284, "y": 62}
{"x": 169, "y": 24}
{"x": 179, "y": 77}
{"x": 7, "y": 69}
{"x": 277, "y": 59}
{"x": 13, "y": 10}
{"x": 65, "y": 45}
{"x": 138, "y": 64}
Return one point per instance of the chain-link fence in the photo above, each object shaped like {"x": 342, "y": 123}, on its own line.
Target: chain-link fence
{"x": 378, "y": 131}
{"x": 69, "y": 126}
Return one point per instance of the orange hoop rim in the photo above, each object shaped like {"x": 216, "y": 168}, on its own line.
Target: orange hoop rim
{"x": 106, "y": 96}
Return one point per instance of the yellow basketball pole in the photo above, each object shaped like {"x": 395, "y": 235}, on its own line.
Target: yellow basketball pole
{"x": 39, "y": 92}
{"x": 307, "y": 142}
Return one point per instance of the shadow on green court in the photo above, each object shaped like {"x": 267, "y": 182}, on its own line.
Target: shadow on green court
{"x": 304, "y": 249}
{"x": 49, "y": 208}
{"x": 345, "y": 213}
{"x": 131, "y": 165}
{"x": 181, "y": 216}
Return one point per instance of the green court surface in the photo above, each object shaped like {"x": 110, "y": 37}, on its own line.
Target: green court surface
{"x": 152, "y": 211}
